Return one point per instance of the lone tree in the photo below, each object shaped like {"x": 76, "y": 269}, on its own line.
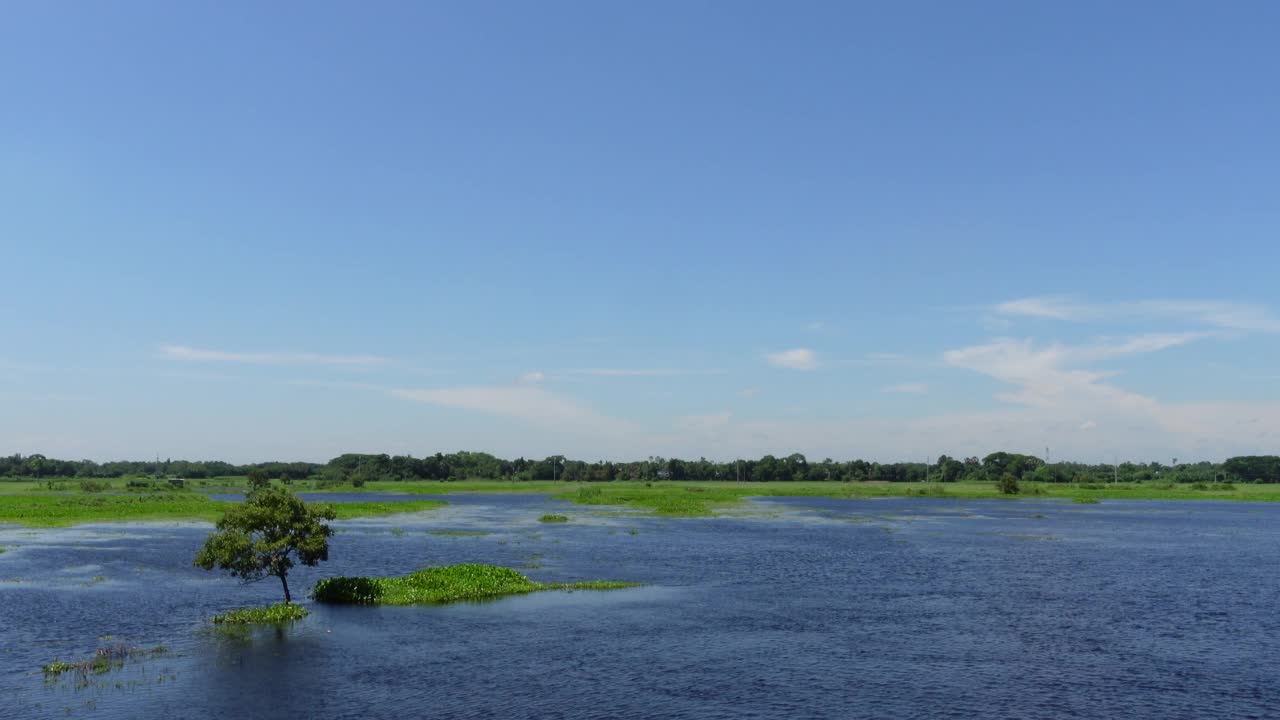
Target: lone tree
{"x": 262, "y": 537}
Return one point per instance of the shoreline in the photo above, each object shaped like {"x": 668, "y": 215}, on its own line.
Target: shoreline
{"x": 41, "y": 508}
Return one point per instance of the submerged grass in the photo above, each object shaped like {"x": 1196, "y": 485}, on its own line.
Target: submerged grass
{"x": 277, "y": 614}
{"x": 554, "y": 519}
{"x": 439, "y": 585}
{"x": 56, "y": 509}
{"x": 104, "y": 660}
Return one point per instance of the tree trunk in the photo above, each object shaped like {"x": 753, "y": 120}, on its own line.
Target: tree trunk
{"x": 285, "y": 583}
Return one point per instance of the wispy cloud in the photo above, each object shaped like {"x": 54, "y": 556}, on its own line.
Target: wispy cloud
{"x": 704, "y": 423}
{"x": 1214, "y": 313}
{"x": 529, "y": 403}
{"x": 530, "y": 378}
{"x": 328, "y": 385}
{"x": 1052, "y": 376}
{"x": 795, "y": 359}
{"x": 638, "y": 372}
{"x": 911, "y": 388}
{"x": 184, "y": 353}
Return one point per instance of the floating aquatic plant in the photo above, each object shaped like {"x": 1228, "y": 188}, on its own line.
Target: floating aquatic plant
{"x": 451, "y": 583}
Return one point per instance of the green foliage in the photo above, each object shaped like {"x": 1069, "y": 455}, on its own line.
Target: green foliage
{"x": 1008, "y": 484}
{"x": 554, "y": 519}
{"x": 451, "y": 583}
{"x": 1254, "y": 468}
{"x": 1001, "y": 463}
{"x": 277, "y": 614}
{"x": 258, "y": 479}
{"x": 1086, "y": 500}
{"x": 262, "y": 536}
{"x": 358, "y": 470}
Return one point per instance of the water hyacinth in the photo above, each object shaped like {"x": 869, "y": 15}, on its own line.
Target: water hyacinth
{"x": 439, "y": 585}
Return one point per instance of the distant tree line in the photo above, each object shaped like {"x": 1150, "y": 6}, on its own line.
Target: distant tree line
{"x": 361, "y": 468}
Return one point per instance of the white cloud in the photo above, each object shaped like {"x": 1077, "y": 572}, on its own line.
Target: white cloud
{"x": 796, "y": 359}
{"x": 182, "y": 352}
{"x": 1088, "y": 425}
{"x": 1042, "y": 307}
{"x": 816, "y": 326}
{"x": 1214, "y": 313}
{"x": 530, "y": 378}
{"x": 910, "y": 388}
{"x": 1045, "y": 377}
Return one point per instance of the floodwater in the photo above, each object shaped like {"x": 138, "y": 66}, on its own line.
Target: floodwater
{"x": 802, "y": 608}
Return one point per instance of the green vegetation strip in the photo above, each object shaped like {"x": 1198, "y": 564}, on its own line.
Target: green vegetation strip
{"x": 277, "y": 614}
{"x": 55, "y": 510}
{"x": 434, "y": 586}
{"x": 37, "y": 507}
{"x": 707, "y": 499}
{"x": 554, "y": 519}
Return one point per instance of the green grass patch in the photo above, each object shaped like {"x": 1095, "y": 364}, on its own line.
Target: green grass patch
{"x": 277, "y": 614}
{"x": 554, "y": 519}
{"x": 52, "y": 510}
{"x": 351, "y": 510}
{"x": 1086, "y": 500}
{"x": 440, "y": 585}
{"x": 55, "y": 510}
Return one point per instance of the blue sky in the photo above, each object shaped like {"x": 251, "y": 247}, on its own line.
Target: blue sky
{"x": 284, "y": 231}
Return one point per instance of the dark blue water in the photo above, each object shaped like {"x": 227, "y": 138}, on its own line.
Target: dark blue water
{"x": 814, "y": 608}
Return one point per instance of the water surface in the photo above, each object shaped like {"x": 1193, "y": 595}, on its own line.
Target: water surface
{"x": 802, "y": 608}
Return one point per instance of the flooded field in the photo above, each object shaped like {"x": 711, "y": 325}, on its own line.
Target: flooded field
{"x": 792, "y": 608}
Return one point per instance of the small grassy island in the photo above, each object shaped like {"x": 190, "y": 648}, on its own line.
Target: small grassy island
{"x": 440, "y": 585}
{"x": 277, "y": 614}
{"x": 554, "y": 519}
